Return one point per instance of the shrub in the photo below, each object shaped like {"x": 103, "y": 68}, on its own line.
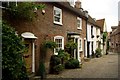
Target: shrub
{"x": 58, "y": 68}
{"x": 64, "y": 56}
{"x": 41, "y": 71}
{"x": 55, "y": 60}
{"x": 72, "y": 64}
{"x": 70, "y": 46}
{"x": 13, "y": 66}
{"x": 98, "y": 52}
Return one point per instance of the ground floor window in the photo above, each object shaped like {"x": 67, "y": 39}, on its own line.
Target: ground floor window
{"x": 60, "y": 43}
{"x": 80, "y": 44}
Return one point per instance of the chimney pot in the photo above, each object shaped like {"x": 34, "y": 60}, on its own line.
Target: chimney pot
{"x": 78, "y": 4}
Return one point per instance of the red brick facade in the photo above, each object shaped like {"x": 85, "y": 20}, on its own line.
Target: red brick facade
{"x": 44, "y": 29}
{"x": 115, "y": 39}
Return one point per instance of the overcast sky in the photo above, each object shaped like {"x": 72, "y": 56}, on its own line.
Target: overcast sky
{"x": 99, "y": 9}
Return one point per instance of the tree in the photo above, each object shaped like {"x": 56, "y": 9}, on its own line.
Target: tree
{"x": 23, "y": 10}
{"x": 13, "y": 67}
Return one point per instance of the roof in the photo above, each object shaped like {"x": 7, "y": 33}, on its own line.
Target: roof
{"x": 101, "y": 22}
{"x": 72, "y": 9}
{"x": 92, "y": 21}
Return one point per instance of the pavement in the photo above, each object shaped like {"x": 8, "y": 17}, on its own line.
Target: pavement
{"x": 103, "y": 67}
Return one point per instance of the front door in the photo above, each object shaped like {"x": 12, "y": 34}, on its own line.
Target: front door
{"x": 76, "y": 51}
{"x": 28, "y": 55}
{"x": 88, "y": 49}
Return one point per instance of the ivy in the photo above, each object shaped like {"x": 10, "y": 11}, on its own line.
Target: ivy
{"x": 104, "y": 37}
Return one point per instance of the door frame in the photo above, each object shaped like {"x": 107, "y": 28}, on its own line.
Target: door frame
{"x": 32, "y": 37}
{"x": 76, "y": 37}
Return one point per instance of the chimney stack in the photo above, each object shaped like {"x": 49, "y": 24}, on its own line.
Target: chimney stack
{"x": 78, "y": 4}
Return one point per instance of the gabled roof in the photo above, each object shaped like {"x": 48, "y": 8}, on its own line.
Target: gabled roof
{"x": 72, "y": 9}
{"x": 101, "y": 22}
{"x": 92, "y": 21}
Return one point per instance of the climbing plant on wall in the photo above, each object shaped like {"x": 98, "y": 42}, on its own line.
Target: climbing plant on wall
{"x": 104, "y": 37}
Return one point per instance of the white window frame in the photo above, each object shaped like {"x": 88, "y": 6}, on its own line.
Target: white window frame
{"x": 59, "y": 37}
{"x": 59, "y": 10}
{"x": 80, "y": 25}
{"x": 80, "y": 47}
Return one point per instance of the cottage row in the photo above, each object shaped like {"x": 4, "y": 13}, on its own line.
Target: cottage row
{"x": 60, "y": 22}
{"x": 114, "y": 39}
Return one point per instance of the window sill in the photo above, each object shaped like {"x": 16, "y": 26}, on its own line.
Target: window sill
{"x": 80, "y": 50}
{"x": 55, "y": 53}
{"x": 79, "y": 28}
{"x": 58, "y": 23}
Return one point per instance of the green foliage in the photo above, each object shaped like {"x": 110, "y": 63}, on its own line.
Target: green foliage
{"x": 23, "y": 10}
{"x": 98, "y": 52}
{"x": 71, "y": 45}
{"x": 104, "y": 37}
{"x": 72, "y": 64}
{"x": 58, "y": 68}
{"x": 64, "y": 56}
{"x": 42, "y": 71}
{"x": 54, "y": 62}
{"x": 13, "y": 67}
{"x": 50, "y": 44}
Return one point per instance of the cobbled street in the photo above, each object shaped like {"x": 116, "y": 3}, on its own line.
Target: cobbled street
{"x": 104, "y": 67}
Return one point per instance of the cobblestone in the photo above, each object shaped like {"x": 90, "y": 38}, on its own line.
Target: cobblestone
{"x": 104, "y": 67}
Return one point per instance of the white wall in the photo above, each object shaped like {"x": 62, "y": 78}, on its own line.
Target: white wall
{"x": 89, "y": 32}
{"x": 96, "y": 31}
{"x": 94, "y": 39}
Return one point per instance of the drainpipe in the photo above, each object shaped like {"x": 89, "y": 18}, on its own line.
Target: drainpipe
{"x": 86, "y": 36}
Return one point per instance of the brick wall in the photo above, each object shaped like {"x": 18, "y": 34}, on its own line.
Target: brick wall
{"x": 43, "y": 27}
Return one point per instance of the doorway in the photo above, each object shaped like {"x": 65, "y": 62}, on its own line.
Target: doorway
{"x": 28, "y": 55}
{"x": 88, "y": 49}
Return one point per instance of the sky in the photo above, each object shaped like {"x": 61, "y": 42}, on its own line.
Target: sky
{"x": 99, "y": 9}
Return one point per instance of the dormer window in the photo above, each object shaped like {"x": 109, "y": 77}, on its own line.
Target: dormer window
{"x": 79, "y": 23}
{"x": 57, "y": 15}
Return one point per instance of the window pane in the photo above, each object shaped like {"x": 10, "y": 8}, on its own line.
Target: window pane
{"x": 78, "y": 23}
{"x": 80, "y": 45}
{"x": 57, "y": 14}
{"x": 59, "y": 44}
{"x": 57, "y": 19}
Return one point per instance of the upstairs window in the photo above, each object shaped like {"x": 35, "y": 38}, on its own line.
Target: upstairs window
{"x": 79, "y": 23}
{"x": 57, "y": 15}
{"x": 60, "y": 44}
{"x": 92, "y": 36}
